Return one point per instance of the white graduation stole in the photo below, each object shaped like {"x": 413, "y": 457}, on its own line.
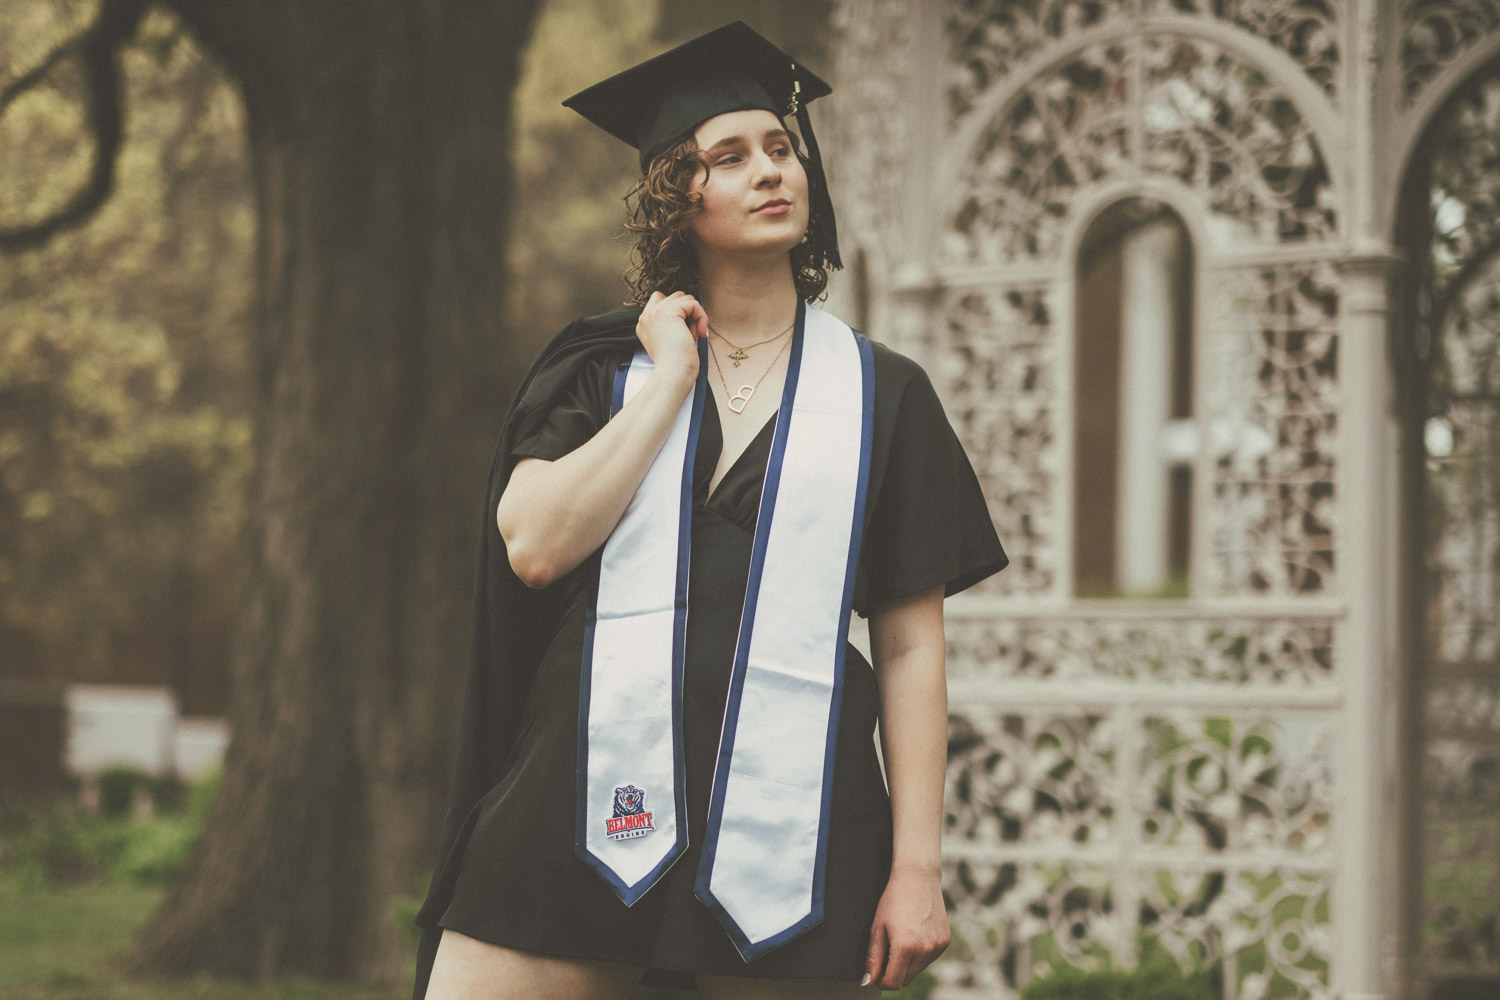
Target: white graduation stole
{"x": 763, "y": 862}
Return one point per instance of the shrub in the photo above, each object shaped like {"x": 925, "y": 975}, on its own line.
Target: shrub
{"x": 62, "y": 843}
{"x": 118, "y": 787}
{"x": 1156, "y": 978}
{"x": 153, "y": 852}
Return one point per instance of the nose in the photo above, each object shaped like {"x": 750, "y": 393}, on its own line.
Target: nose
{"x": 768, "y": 171}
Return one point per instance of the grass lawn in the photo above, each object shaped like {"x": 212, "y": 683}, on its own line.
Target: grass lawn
{"x": 67, "y": 943}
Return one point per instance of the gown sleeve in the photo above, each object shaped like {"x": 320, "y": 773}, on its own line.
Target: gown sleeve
{"x": 572, "y": 416}
{"x": 929, "y": 524}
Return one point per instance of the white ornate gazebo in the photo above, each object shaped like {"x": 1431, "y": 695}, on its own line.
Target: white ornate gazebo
{"x": 1235, "y": 401}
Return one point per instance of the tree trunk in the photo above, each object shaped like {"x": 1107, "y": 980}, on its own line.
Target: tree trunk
{"x": 380, "y": 139}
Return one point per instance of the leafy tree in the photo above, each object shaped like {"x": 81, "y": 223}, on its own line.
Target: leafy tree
{"x": 124, "y": 422}
{"x": 379, "y": 138}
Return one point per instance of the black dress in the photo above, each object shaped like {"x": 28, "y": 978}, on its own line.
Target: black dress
{"x": 520, "y": 883}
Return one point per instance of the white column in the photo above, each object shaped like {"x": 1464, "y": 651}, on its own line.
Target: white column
{"x": 1365, "y": 876}
{"x": 1147, "y": 310}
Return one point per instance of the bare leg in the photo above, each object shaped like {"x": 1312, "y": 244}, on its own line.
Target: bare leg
{"x": 737, "y": 988}
{"x": 466, "y": 969}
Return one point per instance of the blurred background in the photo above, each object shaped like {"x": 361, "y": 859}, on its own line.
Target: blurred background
{"x": 1209, "y": 291}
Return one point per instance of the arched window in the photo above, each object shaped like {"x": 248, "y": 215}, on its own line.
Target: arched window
{"x": 1134, "y": 435}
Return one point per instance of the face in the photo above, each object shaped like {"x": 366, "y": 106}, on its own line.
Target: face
{"x": 755, "y": 196}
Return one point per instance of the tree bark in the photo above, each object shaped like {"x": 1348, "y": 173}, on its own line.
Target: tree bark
{"x": 380, "y": 140}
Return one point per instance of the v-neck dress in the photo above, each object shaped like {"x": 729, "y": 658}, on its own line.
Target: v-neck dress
{"x": 520, "y": 883}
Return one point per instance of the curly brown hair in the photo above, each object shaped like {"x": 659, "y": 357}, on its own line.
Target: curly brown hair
{"x": 658, "y": 208}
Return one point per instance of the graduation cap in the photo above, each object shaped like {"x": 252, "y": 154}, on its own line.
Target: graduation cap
{"x": 657, "y": 104}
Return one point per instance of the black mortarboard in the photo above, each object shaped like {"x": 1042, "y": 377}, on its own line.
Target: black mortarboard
{"x": 655, "y": 105}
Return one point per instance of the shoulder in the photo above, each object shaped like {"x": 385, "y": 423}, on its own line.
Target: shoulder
{"x": 588, "y": 342}
{"x": 580, "y": 353}
{"x": 615, "y": 325}
{"x": 894, "y": 369}
{"x": 895, "y": 373}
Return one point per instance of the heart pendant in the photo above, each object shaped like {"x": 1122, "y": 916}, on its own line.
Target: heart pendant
{"x": 743, "y": 396}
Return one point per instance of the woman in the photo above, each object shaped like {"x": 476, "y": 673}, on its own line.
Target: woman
{"x": 667, "y": 771}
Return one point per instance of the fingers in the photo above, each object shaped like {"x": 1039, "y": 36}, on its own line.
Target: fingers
{"x": 875, "y": 957}
{"x": 684, "y": 305}
{"x": 900, "y": 960}
{"x": 895, "y": 968}
{"x": 697, "y": 320}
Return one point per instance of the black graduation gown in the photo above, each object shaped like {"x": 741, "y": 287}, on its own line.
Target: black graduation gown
{"x": 507, "y": 871}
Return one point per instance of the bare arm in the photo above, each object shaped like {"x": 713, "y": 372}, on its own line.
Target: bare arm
{"x": 906, "y": 643}
{"x": 552, "y": 515}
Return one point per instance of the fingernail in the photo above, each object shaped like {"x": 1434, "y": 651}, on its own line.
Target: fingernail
{"x": 865, "y": 981}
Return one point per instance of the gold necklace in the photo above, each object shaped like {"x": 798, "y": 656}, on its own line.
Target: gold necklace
{"x": 739, "y": 352}
{"x": 746, "y": 391}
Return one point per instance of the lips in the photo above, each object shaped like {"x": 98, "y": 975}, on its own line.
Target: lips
{"x": 774, "y": 205}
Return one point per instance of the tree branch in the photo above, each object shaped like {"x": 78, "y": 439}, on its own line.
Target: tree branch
{"x": 97, "y": 48}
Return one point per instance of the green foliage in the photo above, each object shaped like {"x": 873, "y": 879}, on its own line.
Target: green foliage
{"x": 70, "y": 943}
{"x": 123, "y": 366}
{"x": 119, "y": 786}
{"x": 60, "y": 843}
{"x": 918, "y": 989}
{"x": 1156, "y": 978}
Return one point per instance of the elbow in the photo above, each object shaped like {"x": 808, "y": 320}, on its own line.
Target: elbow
{"x": 532, "y": 568}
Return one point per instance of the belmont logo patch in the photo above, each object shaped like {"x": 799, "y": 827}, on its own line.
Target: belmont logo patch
{"x": 631, "y": 818}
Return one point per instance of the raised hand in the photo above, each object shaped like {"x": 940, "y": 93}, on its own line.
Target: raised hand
{"x": 669, "y": 327}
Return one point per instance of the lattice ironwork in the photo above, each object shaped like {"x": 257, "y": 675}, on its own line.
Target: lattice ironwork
{"x": 1204, "y": 118}
{"x": 988, "y": 39}
{"x": 1063, "y": 132}
{"x": 1235, "y": 785}
{"x": 1306, "y": 30}
{"x": 1076, "y": 838}
{"x": 991, "y": 39}
{"x": 993, "y": 362}
{"x": 1251, "y": 651}
{"x": 1220, "y": 127}
{"x": 1273, "y": 401}
{"x": 1128, "y": 777}
{"x": 1434, "y": 33}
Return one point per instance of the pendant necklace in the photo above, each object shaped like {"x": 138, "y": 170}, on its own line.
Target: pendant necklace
{"x": 739, "y": 352}
{"x": 746, "y": 391}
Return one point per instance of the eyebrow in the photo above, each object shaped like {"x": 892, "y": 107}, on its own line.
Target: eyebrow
{"x": 775, "y": 133}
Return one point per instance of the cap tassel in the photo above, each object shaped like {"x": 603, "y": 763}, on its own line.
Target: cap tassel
{"x": 822, "y": 202}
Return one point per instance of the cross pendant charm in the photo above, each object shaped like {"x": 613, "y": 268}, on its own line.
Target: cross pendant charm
{"x": 738, "y": 356}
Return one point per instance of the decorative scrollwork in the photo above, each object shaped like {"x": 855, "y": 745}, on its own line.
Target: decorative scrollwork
{"x": 1236, "y": 783}
{"x": 1269, "y": 927}
{"x": 1273, "y": 402}
{"x": 994, "y": 367}
{"x": 1436, "y": 32}
{"x": 1016, "y": 779}
{"x": 1205, "y": 118}
{"x": 1063, "y": 132}
{"x": 1220, "y": 127}
{"x": 1036, "y": 799}
{"x": 1306, "y": 30}
{"x": 1013, "y": 921}
{"x": 990, "y": 39}
{"x": 987, "y": 39}
{"x": 1262, "y": 652}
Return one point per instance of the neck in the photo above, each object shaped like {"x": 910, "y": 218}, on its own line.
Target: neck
{"x": 745, "y": 298}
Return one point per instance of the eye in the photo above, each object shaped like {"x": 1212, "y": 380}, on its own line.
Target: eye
{"x": 781, "y": 151}
{"x": 728, "y": 158}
